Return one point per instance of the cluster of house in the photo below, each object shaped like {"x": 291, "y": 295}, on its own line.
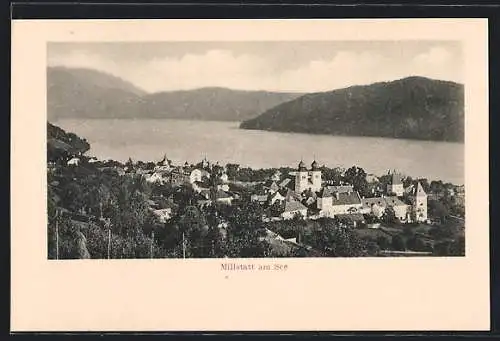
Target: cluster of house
{"x": 304, "y": 193}
{"x": 209, "y": 181}
{"x": 299, "y": 193}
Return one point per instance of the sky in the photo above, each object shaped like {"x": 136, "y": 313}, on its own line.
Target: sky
{"x": 311, "y": 66}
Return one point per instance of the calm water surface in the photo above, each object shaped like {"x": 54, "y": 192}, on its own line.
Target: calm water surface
{"x": 149, "y": 140}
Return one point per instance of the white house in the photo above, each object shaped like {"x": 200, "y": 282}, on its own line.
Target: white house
{"x": 334, "y": 200}
{"x": 377, "y": 207}
{"x": 74, "y": 162}
{"x": 186, "y": 175}
{"x": 195, "y": 175}
{"x": 156, "y": 177}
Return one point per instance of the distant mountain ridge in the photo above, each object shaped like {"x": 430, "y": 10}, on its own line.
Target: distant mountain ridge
{"x": 412, "y": 108}
{"x": 86, "y": 93}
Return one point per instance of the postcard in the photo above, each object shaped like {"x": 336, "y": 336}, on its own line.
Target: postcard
{"x": 272, "y": 175}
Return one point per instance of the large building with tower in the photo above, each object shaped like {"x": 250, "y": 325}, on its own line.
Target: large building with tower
{"x": 308, "y": 179}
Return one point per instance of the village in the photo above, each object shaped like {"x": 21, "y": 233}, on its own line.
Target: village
{"x": 288, "y": 195}
{"x": 301, "y": 193}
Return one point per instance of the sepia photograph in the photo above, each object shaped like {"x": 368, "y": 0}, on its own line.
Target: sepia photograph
{"x": 253, "y": 149}
{"x": 200, "y": 175}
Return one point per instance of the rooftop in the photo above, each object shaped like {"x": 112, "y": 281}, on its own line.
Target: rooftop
{"x": 351, "y": 198}
{"x": 382, "y": 201}
{"x": 291, "y": 206}
{"x": 222, "y": 195}
{"x": 329, "y": 191}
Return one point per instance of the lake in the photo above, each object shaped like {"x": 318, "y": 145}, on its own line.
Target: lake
{"x": 150, "y": 139}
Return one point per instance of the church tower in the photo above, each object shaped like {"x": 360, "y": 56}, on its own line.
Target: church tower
{"x": 315, "y": 177}
{"x": 420, "y": 203}
{"x": 396, "y": 185}
{"x": 301, "y": 178}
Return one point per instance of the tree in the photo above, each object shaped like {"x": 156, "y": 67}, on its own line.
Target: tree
{"x": 193, "y": 225}
{"x": 383, "y": 242}
{"x": 438, "y": 210}
{"x": 129, "y": 164}
{"x": 244, "y": 231}
{"x": 372, "y": 248}
{"x": 457, "y": 247}
{"x": 398, "y": 243}
{"x": 232, "y": 170}
{"x": 335, "y": 241}
{"x": 334, "y": 175}
{"x": 389, "y": 216}
{"x": 416, "y": 243}
{"x": 276, "y": 208}
{"x": 408, "y": 181}
{"x": 72, "y": 196}
{"x": 357, "y": 177}
{"x": 442, "y": 248}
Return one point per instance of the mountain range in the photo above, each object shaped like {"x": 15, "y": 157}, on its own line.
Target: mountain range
{"x": 85, "y": 93}
{"x": 411, "y": 108}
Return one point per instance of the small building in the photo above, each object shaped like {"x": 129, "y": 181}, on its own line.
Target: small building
{"x": 73, "y": 162}
{"x": 186, "y": 175}
{"x": 260, "y": 198}
{"x": 402, "y": 211}
{"x": 156, "y": 177}
{"x": 374, "y": 206}
{"x": 223, "y": 187}
{"x": 274, "y": 187}
{"x": 223, "y": 197}
{"x": 371, "y": 178}
{"x": 276, "y": 197}
{"x": 163, "y": 214}
{"x": 292, "y": 209}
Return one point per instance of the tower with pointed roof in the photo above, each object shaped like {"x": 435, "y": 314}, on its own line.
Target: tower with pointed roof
{"x": 301, "y": 177}
{"x": 395, "y": 187}
{"x": 420, "y": 203}
{"x": 307, "y": 179}
{"x": 315, "y": 177}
